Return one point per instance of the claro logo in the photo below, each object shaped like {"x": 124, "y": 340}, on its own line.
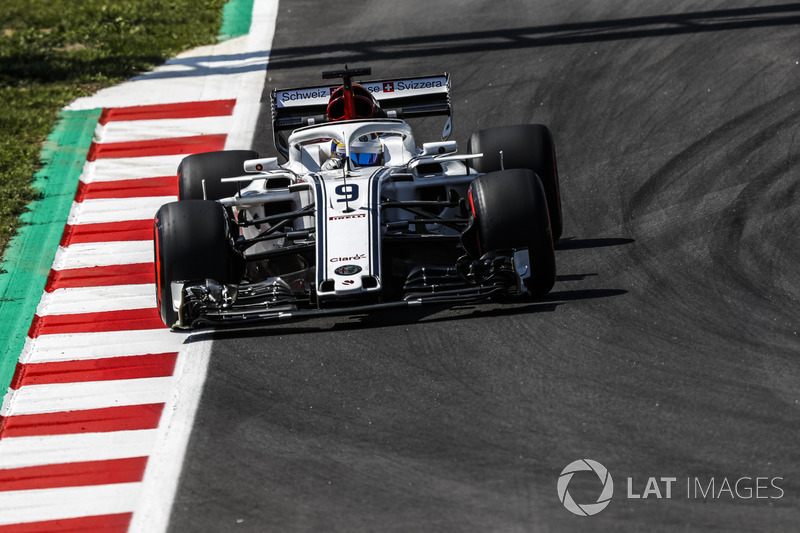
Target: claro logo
{"x": 352, "y": 258}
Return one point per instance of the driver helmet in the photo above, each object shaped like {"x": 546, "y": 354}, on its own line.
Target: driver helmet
{"x": 364, "y": 104}
{"x": 366, "y": 151}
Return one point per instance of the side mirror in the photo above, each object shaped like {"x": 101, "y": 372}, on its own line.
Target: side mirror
{"x": 439, "y": 148}
{"x": 262, "y": 165}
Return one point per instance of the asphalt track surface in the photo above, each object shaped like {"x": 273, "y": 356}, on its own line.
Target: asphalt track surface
{"x": 668, "y": 347}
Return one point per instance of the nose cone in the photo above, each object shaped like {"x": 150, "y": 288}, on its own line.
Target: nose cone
{"x": 347, "y": 277}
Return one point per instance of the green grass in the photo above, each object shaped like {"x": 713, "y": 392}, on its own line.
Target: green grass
{"x": 54, "y": 51}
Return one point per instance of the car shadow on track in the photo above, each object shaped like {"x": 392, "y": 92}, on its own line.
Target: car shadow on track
{"x": 420, "y": 315}
{"x": 435, "y": 313}
{"x": 571, "y": 243}
{"x": 535, "y": 36}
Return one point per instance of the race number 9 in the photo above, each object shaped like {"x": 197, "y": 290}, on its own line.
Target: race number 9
{"x": 347, "y": 192}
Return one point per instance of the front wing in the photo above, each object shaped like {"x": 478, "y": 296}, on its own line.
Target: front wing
{"x": 208, "y": 303}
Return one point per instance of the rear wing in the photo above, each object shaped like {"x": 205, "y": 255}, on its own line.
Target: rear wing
{"x": 399, "y": 98}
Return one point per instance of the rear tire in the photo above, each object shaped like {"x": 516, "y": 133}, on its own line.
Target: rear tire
{"x": 191, "y": 242}
{"x": 524, "y": 146}
{"x": 211, "y": 167}
{"x": 509, "y": 211}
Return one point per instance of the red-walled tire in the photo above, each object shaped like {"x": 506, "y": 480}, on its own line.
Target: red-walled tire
{"x": 509, "y": 211}
{"x": 191, "y": 242}
{"x": 528, "y": 146}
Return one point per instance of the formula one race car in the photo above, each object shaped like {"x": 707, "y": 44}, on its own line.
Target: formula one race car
{"x": 359, "y": 218}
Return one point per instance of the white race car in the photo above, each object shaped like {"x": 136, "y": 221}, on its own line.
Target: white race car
{"x": 359, "y": 218}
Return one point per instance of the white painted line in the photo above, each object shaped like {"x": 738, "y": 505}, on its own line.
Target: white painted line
{"x": 20, "y": 452}
{"x": 165, "y": 464}
{"x": 164, "y": 467}
{"x": 204, "y": 73}
{"x": 116, "y": 209}
{"x": 145, "y": 130}
{"x": 97, "y": 299}
{"x": 58, "y": 397}
{"x": 81, "y": 346}
{"x": 251, "y": 84}
{"x": 233, "y": 69}
{"x": 94, "y": 254}
{"x": 126, "y": 169}
{"x": 40, "y": 505}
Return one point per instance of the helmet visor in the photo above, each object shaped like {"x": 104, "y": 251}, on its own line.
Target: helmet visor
{"x": 365, "y": 159}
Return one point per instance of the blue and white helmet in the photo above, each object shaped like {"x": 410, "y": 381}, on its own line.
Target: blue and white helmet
{"x": 367, "y": 151}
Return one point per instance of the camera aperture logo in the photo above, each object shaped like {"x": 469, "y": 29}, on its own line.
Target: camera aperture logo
{"x": 744, "y": 488}
{"x": 586, "y": 509}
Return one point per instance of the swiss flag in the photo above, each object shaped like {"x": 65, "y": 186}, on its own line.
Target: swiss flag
{"x": 388, "y": 87}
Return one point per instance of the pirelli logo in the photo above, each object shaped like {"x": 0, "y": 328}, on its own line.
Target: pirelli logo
{"x": 342, "y": 217}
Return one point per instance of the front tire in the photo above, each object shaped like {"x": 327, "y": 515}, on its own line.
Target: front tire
{"x": 509, "y": 211}
{"x": 528, "y": 146}
{"x": 191, "y": 242}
